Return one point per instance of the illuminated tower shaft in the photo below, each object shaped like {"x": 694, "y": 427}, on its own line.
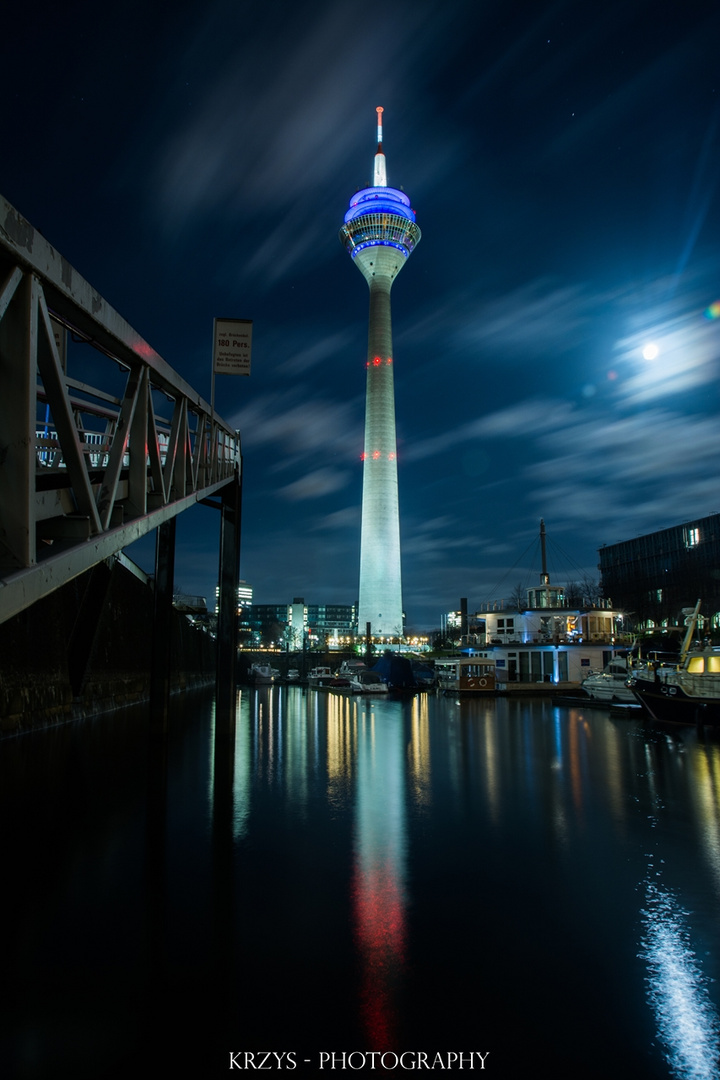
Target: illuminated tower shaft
{"x": 380, "y": 233}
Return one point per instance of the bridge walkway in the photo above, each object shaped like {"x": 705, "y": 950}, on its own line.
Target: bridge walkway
{"x": 101, "y": 441}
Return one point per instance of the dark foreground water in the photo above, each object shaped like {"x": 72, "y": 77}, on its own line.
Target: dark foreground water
{"x": 533, "y": 883}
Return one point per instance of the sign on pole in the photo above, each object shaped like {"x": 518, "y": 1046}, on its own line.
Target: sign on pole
{"x": 232, "y": 346}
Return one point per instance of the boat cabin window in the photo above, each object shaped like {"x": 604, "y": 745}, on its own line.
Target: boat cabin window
{"x": 475, "y": 671}
{"x": 713, "y": 664}
{"x": 696, "y": 665}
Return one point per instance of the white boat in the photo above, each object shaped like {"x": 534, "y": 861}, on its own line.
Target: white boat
{"x": 368, "y": 682}
{"x": 610, "y": 684}
{"x": 317, "y": 676}
{"x": 261, "y": 674}
{"x": 350, "y": 668}
{"x": 323, "y": 676}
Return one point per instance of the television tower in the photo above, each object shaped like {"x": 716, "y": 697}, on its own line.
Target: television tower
{"x": 380, "y": 233}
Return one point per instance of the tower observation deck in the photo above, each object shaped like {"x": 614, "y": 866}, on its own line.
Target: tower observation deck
{"x": 380, "y": 234}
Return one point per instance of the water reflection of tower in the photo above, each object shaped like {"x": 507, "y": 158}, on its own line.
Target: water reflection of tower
{"x": 379, "y": 876}
{"x": 380, "y": 233}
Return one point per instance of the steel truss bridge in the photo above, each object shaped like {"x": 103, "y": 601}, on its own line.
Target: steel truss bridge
{"x": 101, "y": 441}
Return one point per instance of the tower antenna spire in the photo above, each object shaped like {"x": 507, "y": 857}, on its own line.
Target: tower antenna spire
{"x": 380, "y": 171}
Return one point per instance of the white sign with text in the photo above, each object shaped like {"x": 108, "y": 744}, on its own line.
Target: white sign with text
{"x": 232, "y": 346}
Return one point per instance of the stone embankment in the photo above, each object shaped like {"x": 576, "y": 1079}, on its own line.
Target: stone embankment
{"x": 87, "y": 648}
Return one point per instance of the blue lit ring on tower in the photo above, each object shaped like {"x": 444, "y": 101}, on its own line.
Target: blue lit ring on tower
{"x": 380, "y": 217}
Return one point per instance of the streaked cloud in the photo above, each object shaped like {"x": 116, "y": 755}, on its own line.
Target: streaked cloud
{"x": 347, "y": 518}
{"x": 315, "y": 485}
{"x": 542, "y": 313}
{"x": 688, "y": 355}
{"x": 298, "y": 428}
{"x": 325, "y": 348}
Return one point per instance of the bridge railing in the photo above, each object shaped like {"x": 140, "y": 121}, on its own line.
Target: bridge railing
{"x": 98, "y": 446}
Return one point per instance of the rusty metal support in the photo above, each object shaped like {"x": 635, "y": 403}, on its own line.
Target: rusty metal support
{"x": 162, "y": 626}
{"x": 229, "y": 576}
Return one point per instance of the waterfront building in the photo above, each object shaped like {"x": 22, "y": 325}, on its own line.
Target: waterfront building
{"x": 546, "y": 639}
{"x": 298, "y": 625}
{"x": 656, "y": 576}
{"x": 380, "y": 233}
{"x": 551, "y": 625}
{"x": 245, "y": 597}
{"x": 549, "y": 644}
{"x": 332, "y": 624}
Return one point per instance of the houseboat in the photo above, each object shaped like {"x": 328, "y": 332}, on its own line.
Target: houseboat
{"x": 466, "y": 675}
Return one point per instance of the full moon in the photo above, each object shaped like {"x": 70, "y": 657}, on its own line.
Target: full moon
{"x": 650, "y": 351}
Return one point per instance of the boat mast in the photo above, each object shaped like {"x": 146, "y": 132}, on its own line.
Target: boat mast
{"x": 687, "y": 640}
{"x": 544, "y": 577}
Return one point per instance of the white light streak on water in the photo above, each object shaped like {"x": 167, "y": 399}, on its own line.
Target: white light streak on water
{"x": 686, "y": 1019}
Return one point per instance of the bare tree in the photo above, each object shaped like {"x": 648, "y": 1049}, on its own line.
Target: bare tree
{"x": 518, "y": 597}
{"x": 574, "y": 595}
{"x": 592, "y": 592}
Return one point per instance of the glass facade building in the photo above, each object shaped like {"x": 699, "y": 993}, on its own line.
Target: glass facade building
{"x": 654, "y": 577}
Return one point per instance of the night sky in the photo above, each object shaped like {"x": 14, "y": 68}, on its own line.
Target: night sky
{"x": 196, "y": 159}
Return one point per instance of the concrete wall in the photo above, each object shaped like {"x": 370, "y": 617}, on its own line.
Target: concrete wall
{"x": 87, "y": 648}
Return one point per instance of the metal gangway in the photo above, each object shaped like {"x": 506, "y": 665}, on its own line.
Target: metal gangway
{"x": 101, "y": 441}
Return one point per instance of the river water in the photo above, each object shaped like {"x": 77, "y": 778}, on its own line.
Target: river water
{"x": 362, "y": 886}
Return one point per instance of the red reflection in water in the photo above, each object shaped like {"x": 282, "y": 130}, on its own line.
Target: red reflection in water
{"x": 379, "y": 924}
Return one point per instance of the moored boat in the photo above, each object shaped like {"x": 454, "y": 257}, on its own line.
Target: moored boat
{"x": 368, "y": 682}
{"x": 466, "y": 675}
{"x": 610, "y": 684}
{"x": 687, "y": 692}
{"x": 261, "y": 674}
{"x": 324, "y": 677}
{"x": 318, "y": 675}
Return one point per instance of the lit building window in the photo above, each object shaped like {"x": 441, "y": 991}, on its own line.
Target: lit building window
{"x": 692, "y": 537}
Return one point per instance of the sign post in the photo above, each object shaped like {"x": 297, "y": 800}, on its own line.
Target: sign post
{"x": 232, "y": 349}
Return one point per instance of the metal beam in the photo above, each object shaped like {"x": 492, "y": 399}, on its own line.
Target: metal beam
{"x": 75, "y": 300}
{"x": 83, "y": 472}
{"x": 24, "y": 587}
